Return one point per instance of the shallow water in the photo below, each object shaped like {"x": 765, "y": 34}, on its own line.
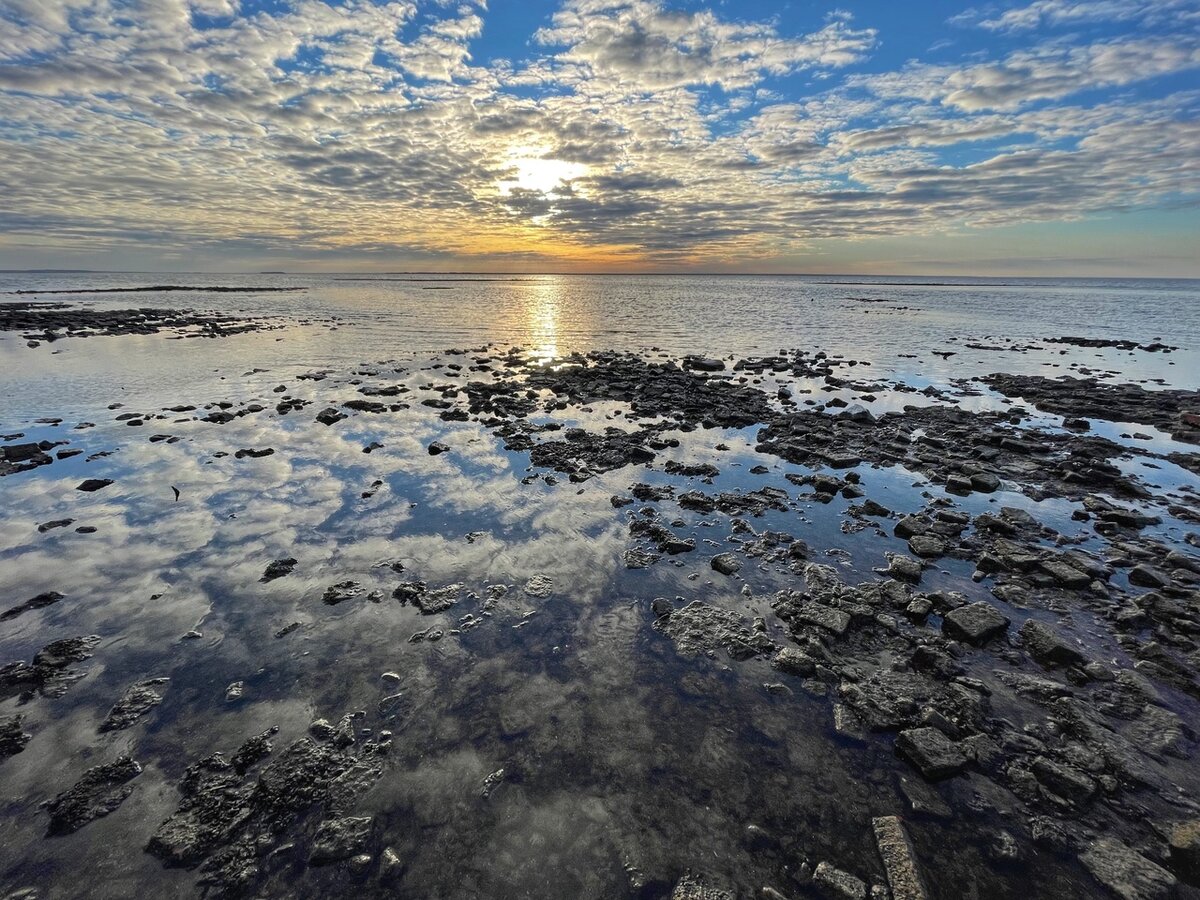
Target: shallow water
{"x": 625, "y": 763}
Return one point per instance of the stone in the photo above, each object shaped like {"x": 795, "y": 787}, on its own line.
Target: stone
{"x": 136, "y": 702}
{"x": 1148, "y": 576}
{"x": 1126, "y": 873}
{"x": 438, "y": 447}
{"x": 791, "y": 661}
{"x": 100, "y": 791}
{"x": 838, "y": 885}
{"x": 91, "y": 485}
{"x": 339, "y": 839}
{"x": 927, "y": 546}
{"x": 726, "y": 563}
{"x": 932, "y": 753}
{"x": 836, "y": 620}
{"x": 896, "y": 851}
{"x": 975, "y": 623}
{"x": 1047, "y": 647}
{"x": 1184, "y": 843}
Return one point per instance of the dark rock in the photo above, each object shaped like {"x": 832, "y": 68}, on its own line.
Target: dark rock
{"x": 932, "y": 753}
{"x": 726, "y": 563}
{"x": 1126, "y": 873}
{"x": 278, "y": 569}
{"x": 93, "y": 484}
{"x": 100, "y": 791}
{"x": 137, "y": 701}
{"x": 975, "y": 623}
{"x": 339, "y": 839}
{"x": 1047, "y": 647}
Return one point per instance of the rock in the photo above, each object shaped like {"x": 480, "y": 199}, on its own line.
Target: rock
{"x": 136, "y": 702}
{"x": 836, "y": 620}
{"x": 897, "y": 854}
{"x": 838, "y": 885}
{"x": 703, "y": 365}
{"x": 1065, "y": 574}
{"x": 389, "y": 863}
{"x": 278, "y": 569}
{"x": 235, "y": 692}
{"x": 100, "y": 791}
{"x": 437, "y": 448}
{"x": 903, "y": 568}
{"x": 975, "y": 623}
{"x": 339, "y": 839}
{"x": 957, "y": 484}
{"x": 695, "y": 887}
{"x": 791, "y": 661}
{"x": 42, "y": 600}
{"x": 1126, "y": 873}
{"x": 539, "y": 587}
{"x": 909, "y": 527}
{"x": 985, "y": 482}
{"x": 1047, "y": 647}
{"x": 1184, "y": 842}
{"x": 12, "y": 737}
{"x": 329, "y": 416}
{"x": 932, "y": 753}
{"x": 927, "y": 546}
{"x": 700, "y": 628}
{"x": 1148, "y": 576}
{"x": 93, "y": 484}
{"x": 726, "y": 563}
{"x": 1064, "y": 781}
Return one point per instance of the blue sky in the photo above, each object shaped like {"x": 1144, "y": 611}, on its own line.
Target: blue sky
{"x": 1044, "y": 137}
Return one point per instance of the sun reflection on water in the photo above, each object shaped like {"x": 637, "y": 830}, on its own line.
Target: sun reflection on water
{"x": 543, "y": 307}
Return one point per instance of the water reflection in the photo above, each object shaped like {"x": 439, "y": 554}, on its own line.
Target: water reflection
{"x": 543, "y": 308}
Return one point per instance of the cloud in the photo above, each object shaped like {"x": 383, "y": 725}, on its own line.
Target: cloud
{"x": 1070, "y": 13}
{"x": 381, "y": 131}
{"x": 644, "y": 46}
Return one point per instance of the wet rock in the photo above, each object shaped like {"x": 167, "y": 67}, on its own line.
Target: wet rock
{"x": 341, "y": 592}
{"x": 927, "y": 546}
{"x": 56, "y": 523}
{"x": 100, "y": 792}
{"x": 903, "y": 568}
{"x": 835, "y": 620}
{"x": 932, "y": 753}
{"x": 696, "y": 887}
{"x": 329, "y": 416}
{"x": 1184, "y": 843}
{"x": 700, "y": 628}
{"x": 235, "y": 692}
{"x": 47, "y": 598}
{"x": 1126, "y": 873}
{"x": 278, "y": 569}
{"x": 539, "y": 587}
{"x": 975, "y": 623}
{"x": 1148, "y": 576}
{"x": 136, "y": 702}
{"x": 726, "y": 563}
{"x": 340, "y": 839}
{"x": 898, "y": 860}
{"x": 792, "y": 661}
{"x": 437, "y": 447}
{"x": 1064, "y": 781}
{"x": 639, "y": 559}
{"x": 838, "y": 885}
{"x": 1047, "y": 647}
{"x": 12, "y": 737}
{"x": 253, "y": 453}
{"x": 91, "y": 485}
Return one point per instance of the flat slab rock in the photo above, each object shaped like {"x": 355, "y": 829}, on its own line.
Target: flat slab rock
{"x": 701, "y": 628}
{"x": 932, "y": 753}
{"x": 1126, "y": 873}
{"x": 975, "y": 623}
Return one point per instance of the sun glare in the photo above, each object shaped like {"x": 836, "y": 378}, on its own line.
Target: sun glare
{"x": 541, "y": 175}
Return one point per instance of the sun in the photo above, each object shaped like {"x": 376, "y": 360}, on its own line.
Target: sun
{"x": 536, "y": 173}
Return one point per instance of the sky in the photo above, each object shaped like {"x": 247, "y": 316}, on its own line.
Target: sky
{"x": 1052, "y": 137}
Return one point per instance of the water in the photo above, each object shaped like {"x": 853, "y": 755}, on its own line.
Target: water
{"x": 401, "y": 315}
{"x": 625, "y": 763}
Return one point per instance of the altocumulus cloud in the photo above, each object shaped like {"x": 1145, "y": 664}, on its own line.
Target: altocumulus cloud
{"x": 633, "y": 133}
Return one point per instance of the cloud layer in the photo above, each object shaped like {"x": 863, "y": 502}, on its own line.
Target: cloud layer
{"x": 384, "y": 132}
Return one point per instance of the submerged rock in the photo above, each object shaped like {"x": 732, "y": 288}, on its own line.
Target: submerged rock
{"x": 1126, "y": 873}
